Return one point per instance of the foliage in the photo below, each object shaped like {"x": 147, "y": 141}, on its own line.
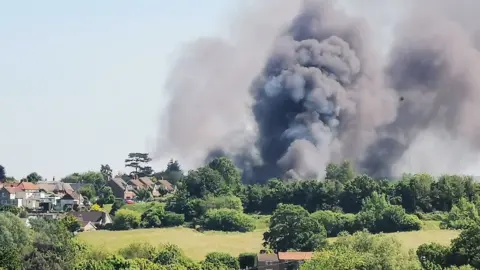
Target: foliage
{"x": 143, "y": 194}
{"x": 105, "y": 195}
{"x": 340, "y": 172}
{"x": 71, "y": 223}
{"x": 247, "y": 260}
{"x": 204, "y": 181}
{"x": 292, "y": 228}
{"x": 139, "y": 162}
{"x": 362, "y": 251}
{"x": 10, "y": 208}
{"x": 126, "y": 219}
{"x": 229, "y": 202}
{"x": 33, "y": 177}
{"x": 106, "y": 172}
{"x": 152, "y": 218}
{"x": 139, "y": 250}
{"x": 15, "y": 240}
{"x": 227, "y": 220}
{"x": 96, "y": 207}
{"x": 171, "y": 219}
{"x": 378, "y": 215}
{"x": 117, "y": 204}
{"x": 172, "y": 255}
{"x": 466, "y": 248}
{"x": 334, "y": 222}
{"x": 463, "y": 215}
{"x": 88, "y": 192}
{"x": 221, "y": 259}
{"x": 3, "y": 174}
{"x": 433, "y": 255}
{"x": 230, "y": 173}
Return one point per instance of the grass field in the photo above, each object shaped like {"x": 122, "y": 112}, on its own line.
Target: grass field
{"x": 196, "y": 245}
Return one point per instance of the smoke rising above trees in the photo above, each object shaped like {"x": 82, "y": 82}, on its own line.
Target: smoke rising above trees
{"x": 302, "y": 84}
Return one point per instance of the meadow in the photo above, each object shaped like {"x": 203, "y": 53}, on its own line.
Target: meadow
{"x": 197, "y": 244}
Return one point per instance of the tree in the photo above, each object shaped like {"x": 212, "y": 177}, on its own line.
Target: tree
{"x": 143, "y": 194}
{"x": 227, "y": 169}
{"x": 15, "y": 238}
{"x": 88, "y": 192}
{"x": 106, "y": 171}
{"x": 3, "y": 175}
{"x": 90, "y": 177}
{"x": 465, "y": 248}
{"x": 96, "y": 207}
{"x": 228, "y": 220}
{"x": 139, "y": 162}
{"x": 126, "y": 219}
{"x": 106, "y": 195}
{"x": 340, "y": 172}
{"x": 34, "y": 177}
{"x": 204, "y": 181}
{"x": 362, "y": 251}
{"x": 173, "y": 166}
{"x": 291, "y": 227}
{"x": 222, "y": 259}
{"x": 463, "y": 215}
{"x": 71, "y": 223}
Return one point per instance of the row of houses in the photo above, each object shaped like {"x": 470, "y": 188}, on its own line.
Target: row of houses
{"x": 43, "y": 195}
{"x": 59, "y": 196}
{"x": 126, "y": 189}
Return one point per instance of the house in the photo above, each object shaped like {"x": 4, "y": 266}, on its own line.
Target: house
{"x": 136, "y": 184}
{"x": 29, "y": 193}
{"x": 8, "y": 197}
{"x": 147, "y": 181}
{"x": 164, "y": 184}
{"x": 87, "y": 226}
{"x": 97, "y": 218}
{"x": 282, "y": 260}
{"x": 121, "y": 189}
{"x": 268, "y": 262}
{"x": 55, "y": 187}
{"x": 70, "y": 200}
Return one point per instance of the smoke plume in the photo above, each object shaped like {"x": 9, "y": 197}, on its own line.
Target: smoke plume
{"x": 302, "y": 83}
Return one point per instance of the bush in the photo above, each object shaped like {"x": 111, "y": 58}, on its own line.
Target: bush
{"x": 228, "y": 202}
{"x": 220, "y": 259}
{"x": 171, "y": 219}
{"x": 335, "y": 223}
{"x": 247, "y": 260}
{"x": 463, "y": 215}
{"x": 436, "y": 216}
{"x": 10, "y": 208}
{"x": 433, "y": 254}
{"x": 138, "y": 250}
{"x": 152, "y": 217}
{"x": 126, "y": 219}
{"x": 377, "y": 215}
{"x": 228, "y": 220}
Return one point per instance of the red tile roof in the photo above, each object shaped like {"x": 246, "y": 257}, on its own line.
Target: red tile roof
{"x": 12, "y": 190}
{"x": 295, "y": 256}
{"x": 27, "y": 186}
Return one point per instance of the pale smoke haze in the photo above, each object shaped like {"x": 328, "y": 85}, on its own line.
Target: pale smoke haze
{"x": 298, "y": 84}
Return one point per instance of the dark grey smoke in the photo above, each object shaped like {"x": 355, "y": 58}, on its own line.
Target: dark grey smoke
{"x": 296, "y": 92}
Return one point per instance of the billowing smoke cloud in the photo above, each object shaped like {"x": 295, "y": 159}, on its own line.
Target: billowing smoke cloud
{"x": 302, "y": 84}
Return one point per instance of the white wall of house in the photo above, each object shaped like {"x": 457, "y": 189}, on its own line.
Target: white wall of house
{"x": 31, "y": 203}
{"x": 27, "y": 194}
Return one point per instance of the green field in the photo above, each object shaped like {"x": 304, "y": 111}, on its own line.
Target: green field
{"x": 196, "y": 244}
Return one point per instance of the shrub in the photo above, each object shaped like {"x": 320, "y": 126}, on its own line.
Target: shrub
{"x": 10, "y": 208}
{"x": 247, "y": 260}
{"x": 433, "y": 254}
{"x": 221, "y": 259}
{"x": 171, "y": 219}
{"x": 152, "y": 217}
{"x": 139, "y": 250}
{"x": 377, "y": 215}
{"x": 463, "y": 215}
{"x": 335, "y": 223}
{"x": 228, "y": 220}
{"x": 126, "y": 219}
{"x": 228, "y": 202}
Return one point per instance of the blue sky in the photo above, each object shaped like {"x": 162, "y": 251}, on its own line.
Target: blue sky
{"x": 81, "y": 81}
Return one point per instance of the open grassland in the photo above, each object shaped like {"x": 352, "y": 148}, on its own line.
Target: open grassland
{"x": 196, "y": 244}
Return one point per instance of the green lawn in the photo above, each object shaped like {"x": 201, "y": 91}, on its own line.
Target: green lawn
{"x": 196, "y": 245}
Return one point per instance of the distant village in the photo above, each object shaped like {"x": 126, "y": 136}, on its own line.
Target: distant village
{"x": 54, "y": 199}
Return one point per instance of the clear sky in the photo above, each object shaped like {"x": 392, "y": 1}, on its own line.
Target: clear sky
{"x": 81, "y": 81}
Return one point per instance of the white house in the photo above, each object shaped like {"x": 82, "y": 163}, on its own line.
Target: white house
{"x": 29, "y": 193}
